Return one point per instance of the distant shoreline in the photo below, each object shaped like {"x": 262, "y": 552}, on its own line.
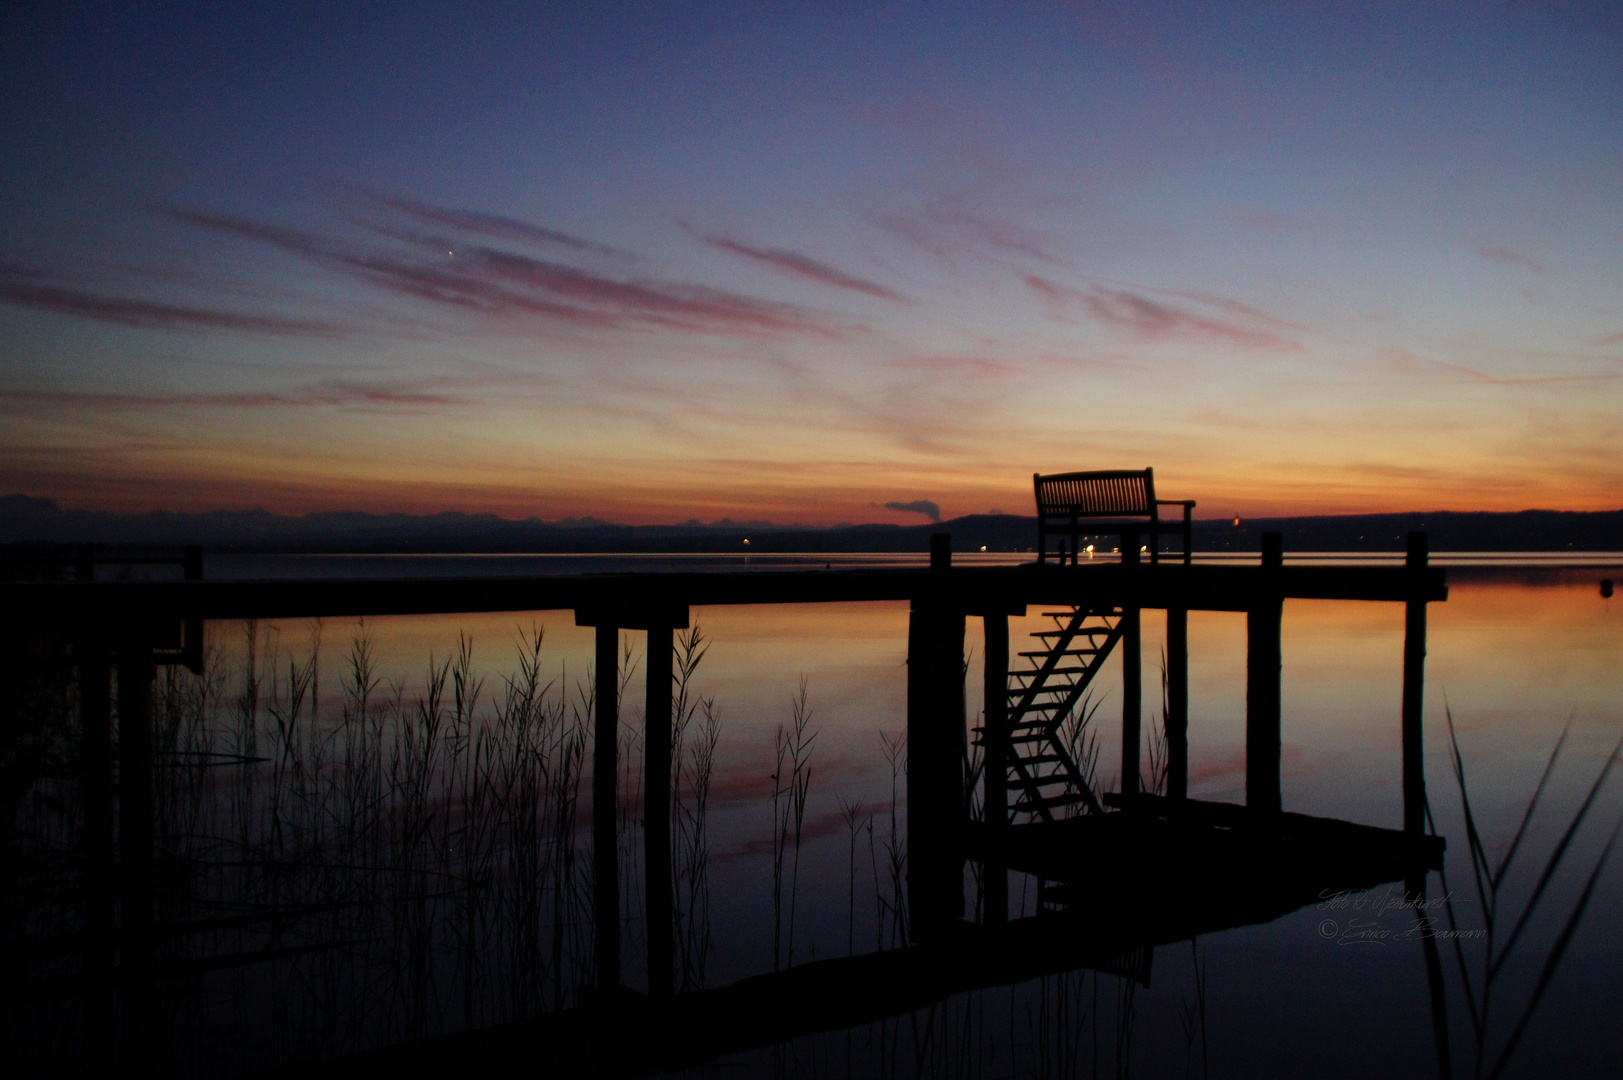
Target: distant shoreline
{"x": 30, "y": 523}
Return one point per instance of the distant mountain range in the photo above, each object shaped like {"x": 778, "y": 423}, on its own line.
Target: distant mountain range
{"x": 29, "y": 521}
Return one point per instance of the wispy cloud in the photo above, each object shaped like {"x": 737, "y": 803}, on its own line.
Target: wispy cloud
{"x": 494, "y": 226}
{"x": 963, "y": 367}
{"x": 337, "y": 393}
{"x": 1528, "y": 380}
{"x": 1151, "y": 319}
{"x": 1510, "y": 258}
{"x": 801, "y": 265}
{"x": 949, "y": 231}
{"x": 479, "y": 279}
{"x": 44, "y": 291}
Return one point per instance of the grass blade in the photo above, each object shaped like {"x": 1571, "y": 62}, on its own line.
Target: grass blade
{"x": 1532, "y": 803}
{"x": 1555, "y": 859}
{"x": 1554, "y": 960}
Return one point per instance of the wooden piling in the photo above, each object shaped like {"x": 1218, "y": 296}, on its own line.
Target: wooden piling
{"x": 192, "y": 631}
{"x": 1414, "y": 689}
{"x": 659, "y": 619}
{"x": 936, "y": 745}
{"x": 1262, "y": 694}
{"x": 605, "y": 776}
{"x": 100, "y": 883}
{"x": 1177, "y": 717}
{"x": 656, "y": 814}
{"x": 1132, "y": 678}
{"x": 995, "y": 768}
{"x": 141, "y": 1045}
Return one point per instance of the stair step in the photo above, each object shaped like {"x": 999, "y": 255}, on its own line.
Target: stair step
{"x": 1061, "y": 652}
{"x": 1034, "y": 690}
{"x": 1051, "y": 786}
{"x": 1045, "y": 723}
{"x": 1026, "y": 806}
{"x": 1035, "y": 707}
{"x": 1055, "y": 671}
{"x": 1087, "y": 630}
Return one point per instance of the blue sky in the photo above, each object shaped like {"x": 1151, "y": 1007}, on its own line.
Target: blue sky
{"x": 794, "y": 262}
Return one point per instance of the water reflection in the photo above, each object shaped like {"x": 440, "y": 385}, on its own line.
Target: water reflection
{"x": 1338, "y": 981}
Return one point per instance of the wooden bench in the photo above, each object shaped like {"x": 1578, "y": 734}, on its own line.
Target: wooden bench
{"x": 1121, "y": 502}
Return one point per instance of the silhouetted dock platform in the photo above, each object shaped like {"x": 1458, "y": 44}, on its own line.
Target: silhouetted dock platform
{"x": 1186, "y": 867}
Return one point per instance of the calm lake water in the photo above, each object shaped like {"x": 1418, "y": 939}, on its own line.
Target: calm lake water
{"x": 1337, "y": 989}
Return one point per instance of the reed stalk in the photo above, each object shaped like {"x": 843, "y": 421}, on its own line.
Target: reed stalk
{"x": 1482, "y": 981}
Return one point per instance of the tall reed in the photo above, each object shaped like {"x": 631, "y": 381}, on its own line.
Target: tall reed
{"x": 339, "y": 874}
{"x": 792, "y": 748}
{"x": 1482, "y": 981}
{"x": 696, "y": 730}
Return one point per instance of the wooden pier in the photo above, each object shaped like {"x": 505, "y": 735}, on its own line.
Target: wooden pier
{"x": 1053, "y": 829}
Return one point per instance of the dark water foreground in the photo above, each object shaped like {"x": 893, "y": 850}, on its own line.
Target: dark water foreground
{"x": 359, "y": 845}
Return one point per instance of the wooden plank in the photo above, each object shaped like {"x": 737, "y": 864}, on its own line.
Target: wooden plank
{"x": 1204, "y": 588}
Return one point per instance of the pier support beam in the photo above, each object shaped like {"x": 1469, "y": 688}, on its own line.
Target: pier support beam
{"x": 1177, "y": 703}
{"x": 656, "y": 813}
{"x": 605, "y": 776}
{"x": 1414, "y": 692}
{"x": 1262, "y": 697}
{"x": 660, "y": 621}
{"x": 139, "y": 1014}
{"x": 995, "y": 768}
{"x": 1414, "y": 787}
{"x": 936, "y": 744}
{"x": 100, "y": 884}
{"x": 1132, "y": 679}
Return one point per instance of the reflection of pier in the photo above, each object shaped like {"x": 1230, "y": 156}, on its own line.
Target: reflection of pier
{"x": 1196, "y": 869}
{"x": 1213, "y": 866}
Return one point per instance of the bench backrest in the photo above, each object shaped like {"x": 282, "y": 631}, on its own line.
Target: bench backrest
{"x": 1119, "y": 493}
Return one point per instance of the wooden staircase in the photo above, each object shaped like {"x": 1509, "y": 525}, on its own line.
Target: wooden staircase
{"x": 1043, "y": 775}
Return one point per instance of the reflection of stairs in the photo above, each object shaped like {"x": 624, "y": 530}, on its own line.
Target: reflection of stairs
{"x": 1042, "y": 773}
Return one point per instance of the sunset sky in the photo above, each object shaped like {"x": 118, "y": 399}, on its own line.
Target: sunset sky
{"x": 654, "y": 262}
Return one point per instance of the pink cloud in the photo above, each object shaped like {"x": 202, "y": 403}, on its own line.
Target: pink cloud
{"x": 964, "y": 366}
{"x": 503, "y": 284}
{"x": 1511, "y": 258}
{"x": 491, "y": 225}
{"x": 1497, "y": 380}
{"x": 42, "y": 291}
{"x": 803, "y": 266}
{"x": 947, "y": 231}
{"x": 1153, "y": 319}
{"x": 429, "y": 394}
